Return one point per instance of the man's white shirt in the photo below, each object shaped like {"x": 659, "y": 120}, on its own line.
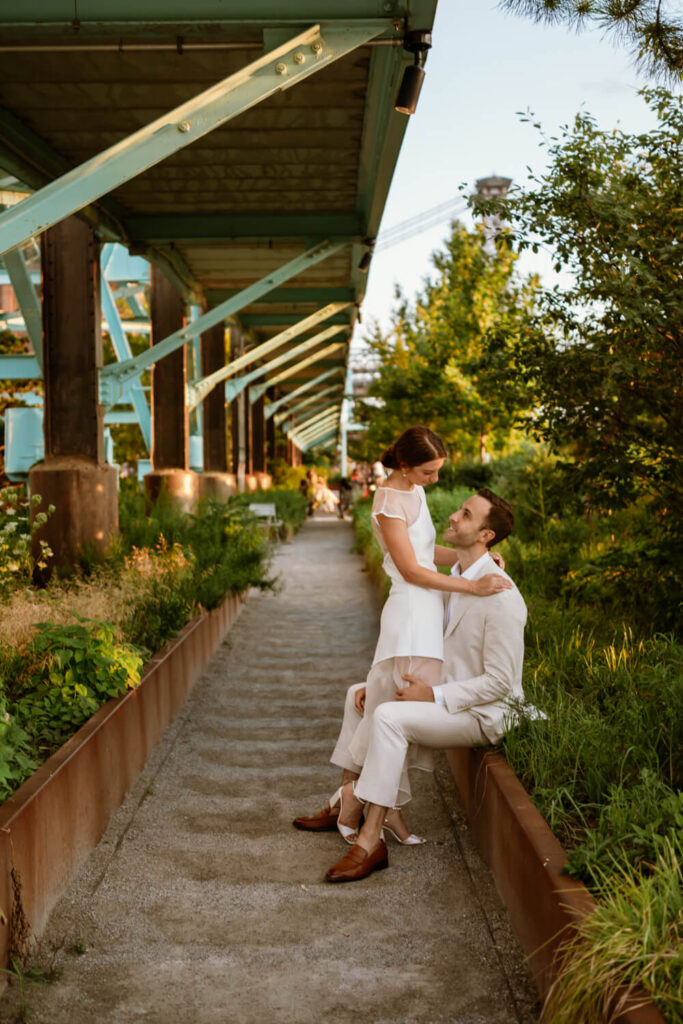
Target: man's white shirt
{"x": 469, "y": 574}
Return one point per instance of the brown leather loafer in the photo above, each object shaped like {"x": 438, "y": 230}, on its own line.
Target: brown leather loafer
{"x": 323, "y": 821}
{"x": 358, "y": 863}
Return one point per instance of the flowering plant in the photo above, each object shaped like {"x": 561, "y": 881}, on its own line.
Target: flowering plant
{"x": 16, "y": 530}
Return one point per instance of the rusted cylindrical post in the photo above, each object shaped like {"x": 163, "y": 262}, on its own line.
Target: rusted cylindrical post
{"x": 170, "y": 427}
{"x": 215, "y": 481}
{"x": 73, "y": 476}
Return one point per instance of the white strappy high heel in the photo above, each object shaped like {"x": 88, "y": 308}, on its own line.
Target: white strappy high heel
{"x": 348, "y": 834}
{"x": 411, "y": 840}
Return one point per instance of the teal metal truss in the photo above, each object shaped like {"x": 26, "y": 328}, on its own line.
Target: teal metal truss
{"x": 114, "y": 377}
{"x": 281, "y": 68}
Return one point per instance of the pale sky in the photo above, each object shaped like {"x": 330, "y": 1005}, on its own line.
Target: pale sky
{"x": 484, "y": 67}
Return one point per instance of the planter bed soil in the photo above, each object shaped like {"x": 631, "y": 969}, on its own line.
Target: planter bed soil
{"x": 526, "y": 861}
{"x": 58, "y": 816}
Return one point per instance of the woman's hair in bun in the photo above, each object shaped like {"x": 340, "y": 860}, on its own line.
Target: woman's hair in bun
{"x": 388, "y": 459}
{"x": 415, "y": 446}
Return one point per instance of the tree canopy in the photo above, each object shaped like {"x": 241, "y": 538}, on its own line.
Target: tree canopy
{"x": 603, "y": 358}
{"x": 432, "y": 368}
{"x": 652, "y": 31}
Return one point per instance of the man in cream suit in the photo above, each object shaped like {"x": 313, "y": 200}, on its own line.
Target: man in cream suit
{"x": 482, "y": 672}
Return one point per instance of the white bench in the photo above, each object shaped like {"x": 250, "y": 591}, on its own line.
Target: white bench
{"x": 267, "y": 512}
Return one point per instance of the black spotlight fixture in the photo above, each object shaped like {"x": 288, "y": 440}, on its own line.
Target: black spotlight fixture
{"x": 367, "y": 255}
{"x": 416, "y": 43}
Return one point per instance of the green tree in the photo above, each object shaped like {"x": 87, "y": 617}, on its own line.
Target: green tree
{"x": 432, "y": 367}
{"x": 654, "y": 34}
{"x": 603, "y": 360}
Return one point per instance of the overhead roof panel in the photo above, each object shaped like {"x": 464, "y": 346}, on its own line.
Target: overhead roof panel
{"x": 309, "y": 163}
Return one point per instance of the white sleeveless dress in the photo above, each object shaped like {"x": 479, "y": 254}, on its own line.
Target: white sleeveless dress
{"x": 412, "y": 617}
{"x": 411, "y": 627}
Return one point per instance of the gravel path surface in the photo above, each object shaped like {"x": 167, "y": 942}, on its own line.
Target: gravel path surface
{"x": 202, "y": 905}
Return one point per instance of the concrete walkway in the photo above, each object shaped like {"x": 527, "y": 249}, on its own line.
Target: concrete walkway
{"x": 202, "y": 905}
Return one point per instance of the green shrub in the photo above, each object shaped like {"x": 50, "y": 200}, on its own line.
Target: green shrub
{"x": 367, "y": 545}
{"x": 16, "y": 759}
{"x": 230, "y": 552}
{"x": 160, "y": 606}
{"x": 80, "y": 667}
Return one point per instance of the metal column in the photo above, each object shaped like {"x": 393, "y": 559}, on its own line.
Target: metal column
{"x": 258, "y": 438}
{"x": 215, "y": 481}
{"x": 170, "y": 426}
{"x": 73, "y": 477}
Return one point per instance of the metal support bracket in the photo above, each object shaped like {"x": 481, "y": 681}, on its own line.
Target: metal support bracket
{"x": 256, "y": 392}
{"x": 311, "y": 400}
{"x": 312, "y": 424}
{"x": 303, "y": 438}
{"x": 28, "y": 300}
{"x": 283, "y": 67}
{"x": 197, "y": 390}
{"x": 234, "y": 387}
{"x": 113, "y": 377}
{"x": 119, "y": 340}
{"x": 19, "y": 368}
{"x": 273, "y": 407}
{"x": 319, "y": 440}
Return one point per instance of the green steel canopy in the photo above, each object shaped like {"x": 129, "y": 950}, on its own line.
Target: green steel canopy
{"x": 228, "y": 184}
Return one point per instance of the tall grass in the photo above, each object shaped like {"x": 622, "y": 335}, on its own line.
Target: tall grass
{"x": 633, "y": 939}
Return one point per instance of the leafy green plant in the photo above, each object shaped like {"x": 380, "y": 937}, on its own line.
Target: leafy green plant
{"x": 81, "y": 667}
{"x": 16, "y": 760}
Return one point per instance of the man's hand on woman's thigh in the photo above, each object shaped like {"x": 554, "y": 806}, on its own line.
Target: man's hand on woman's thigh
{"x": 415, "y": 691}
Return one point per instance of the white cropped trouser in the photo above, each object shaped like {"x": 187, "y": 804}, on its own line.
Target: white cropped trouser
{"x": 394, "y": 726}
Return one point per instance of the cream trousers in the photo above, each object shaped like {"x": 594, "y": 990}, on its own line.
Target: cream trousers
{"x": 394, "y": 727}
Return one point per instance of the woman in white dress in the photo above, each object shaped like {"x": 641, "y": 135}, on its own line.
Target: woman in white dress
{"x": 411, "y": 628}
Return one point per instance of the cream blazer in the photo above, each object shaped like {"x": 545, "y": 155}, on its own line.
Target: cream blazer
{"x": 483, "y": 655}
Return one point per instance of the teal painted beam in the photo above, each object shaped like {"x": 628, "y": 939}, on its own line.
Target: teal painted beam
{"x": 6, "y": 279}
{"x": 158, "y": 228}
{"x": 36, "y": 163}
{"x": 306, "y": 436}
{"x": 121, "y": 416}
{"x": 256, "y": 392}
{"x": 113, "y": 377}
{"x": 29, "y": 302}
{"x": 140, "y": 15}
{"x": 19, "y": 368}
{"x": 119, "y": 340}
{"x": 322, "y": 441}
{"x": 272, "y": 407}
{"x": 197, "y": 390}
{"x": 329, "y": 436}
{"x": 294, "y": 410}
{"x": 293, "y": 425}
{"x": 234, "y": 387}
{"x": 284, "y": 319}
{"x": 314, "y": 421}
{"x": 319, "y": 296}
{"x": 280, "y": 69}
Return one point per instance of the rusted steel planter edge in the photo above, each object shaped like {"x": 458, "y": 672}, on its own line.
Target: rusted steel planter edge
{"x": 526, "y": 860}
{"x": 51, "y": 823}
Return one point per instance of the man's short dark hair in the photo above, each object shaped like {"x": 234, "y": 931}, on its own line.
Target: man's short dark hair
{"x": 500, "y": 517}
